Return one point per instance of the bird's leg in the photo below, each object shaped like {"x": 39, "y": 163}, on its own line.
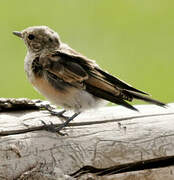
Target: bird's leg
{"x": 67, "y": 122}
{"x": 55, "y": 128}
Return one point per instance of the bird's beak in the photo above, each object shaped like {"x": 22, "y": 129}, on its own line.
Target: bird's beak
{"x": 17, "y": 33}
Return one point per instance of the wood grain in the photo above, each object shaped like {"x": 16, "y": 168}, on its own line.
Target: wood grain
{"x": 99, "y": 138}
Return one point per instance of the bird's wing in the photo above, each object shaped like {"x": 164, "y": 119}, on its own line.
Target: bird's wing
{"x": 85, "y": 62}
{"x": 58, "y": 67}
{"x": 77, "y": 70}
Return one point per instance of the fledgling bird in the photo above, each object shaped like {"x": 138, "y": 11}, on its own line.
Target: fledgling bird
{"x": 69, "y": 79}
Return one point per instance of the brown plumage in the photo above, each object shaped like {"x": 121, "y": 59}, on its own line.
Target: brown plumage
{"x": 81, "y": 72}
{"x": 70, "y": 79}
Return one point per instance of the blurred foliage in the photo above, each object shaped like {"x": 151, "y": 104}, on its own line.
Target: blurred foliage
{"x": 132, "y": 39}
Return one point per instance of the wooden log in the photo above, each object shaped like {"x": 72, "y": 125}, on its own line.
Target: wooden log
{"x": 106, "y": 138}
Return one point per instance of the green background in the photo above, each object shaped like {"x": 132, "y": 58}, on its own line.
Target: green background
{"x": 132, "y": 39}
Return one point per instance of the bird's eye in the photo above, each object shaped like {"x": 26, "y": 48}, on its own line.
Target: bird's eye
{"x": 31, "y": 36}
{"x": 50, "y": 40}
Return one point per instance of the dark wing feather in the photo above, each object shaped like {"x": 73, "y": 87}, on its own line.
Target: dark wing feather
{"x": 66, "y": 70}
{"x": 90, "y": 64}
{"x": 108, "y": 96}
{"x": 119, "y": 82}
{"x": 144, "y": 98}
{"x": 76, "y": 70}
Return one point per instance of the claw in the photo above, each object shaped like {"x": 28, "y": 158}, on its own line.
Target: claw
{"x": 58, "y": 114}
{"x": 43, "y": 123}
{"x": 51, "y": 110}
{"x": 51, "y": 123}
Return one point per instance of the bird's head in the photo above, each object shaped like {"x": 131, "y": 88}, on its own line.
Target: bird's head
{"x": 38, "y": 38}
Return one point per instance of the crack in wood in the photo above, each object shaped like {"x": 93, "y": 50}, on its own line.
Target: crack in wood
{"x": 38, "y": 128}
{"x": 128, "y": 167}
{"x": 20, "y": 104}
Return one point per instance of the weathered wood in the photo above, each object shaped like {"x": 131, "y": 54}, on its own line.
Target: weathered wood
{"x": 100, "y": 138}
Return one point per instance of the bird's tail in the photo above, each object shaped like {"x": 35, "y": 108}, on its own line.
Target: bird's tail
{"x": 145, "y": 98}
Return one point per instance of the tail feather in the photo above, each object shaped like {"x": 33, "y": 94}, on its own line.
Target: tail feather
{"x": 142, "y": 97}
{"x": 125, "y": 104}
{"x": 108, "y": 96}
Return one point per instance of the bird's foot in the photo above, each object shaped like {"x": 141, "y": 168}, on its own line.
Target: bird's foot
{"x": 58, "y": 114}
{"x": 53, "y": 128}
{"x": 57, "y": 128}
{"x": 52, "y": 112}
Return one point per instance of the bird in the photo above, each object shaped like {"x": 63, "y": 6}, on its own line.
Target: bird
{"x": 69, "y": 79}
